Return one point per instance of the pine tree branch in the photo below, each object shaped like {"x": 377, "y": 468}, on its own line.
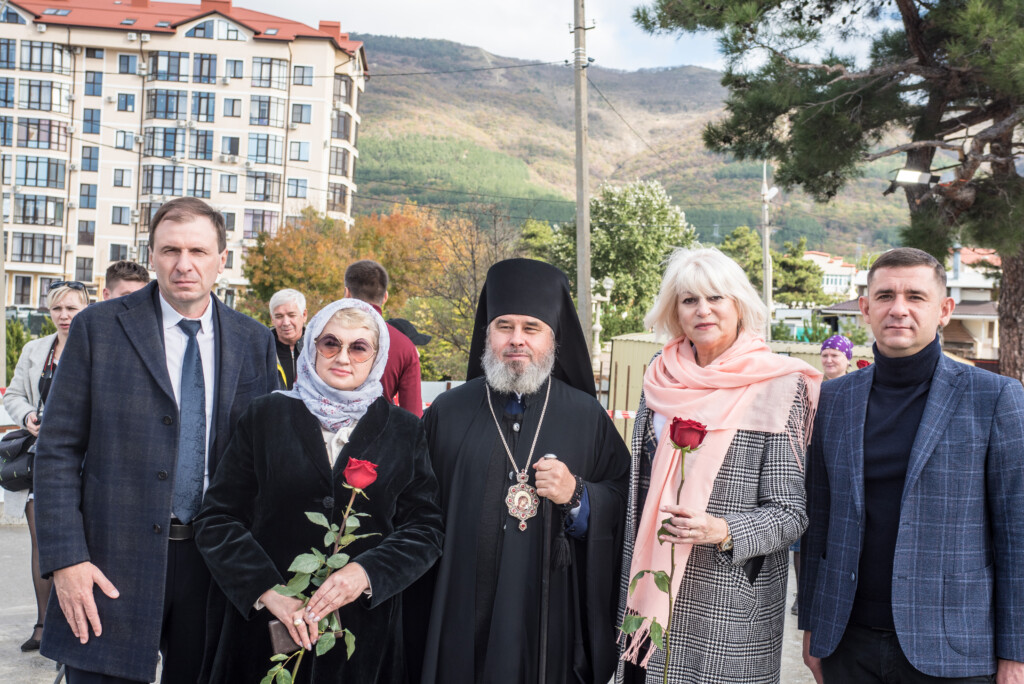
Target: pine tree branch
{"x": 916, "y": 145}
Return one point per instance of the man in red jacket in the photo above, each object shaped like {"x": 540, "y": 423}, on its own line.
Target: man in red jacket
{"x": 368, "y": 281}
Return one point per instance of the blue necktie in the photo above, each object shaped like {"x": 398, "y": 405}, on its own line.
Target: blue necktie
{"x": 191, "y": 467}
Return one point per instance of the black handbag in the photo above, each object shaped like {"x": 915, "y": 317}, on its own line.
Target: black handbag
{"x": 17, "y": 456}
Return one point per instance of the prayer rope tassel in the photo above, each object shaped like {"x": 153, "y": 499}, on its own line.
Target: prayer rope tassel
{"x": 561, "y": 557}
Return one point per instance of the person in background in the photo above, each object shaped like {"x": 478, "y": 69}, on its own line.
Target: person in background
{"x": 26, "y": 393}
{"x": 368, "y": 281}
{"x": 288, "y": 314}
{"x": 124, "y": 277}
{"x": 836, "y": 354}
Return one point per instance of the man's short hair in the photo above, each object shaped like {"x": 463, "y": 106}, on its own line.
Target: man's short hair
{"x": 368, "y": 281}
{"x": 181, "y": 209}
{"x": 908, "y": 257}
{"x": 286, "y": 296}
{"x": 126, "y": 271}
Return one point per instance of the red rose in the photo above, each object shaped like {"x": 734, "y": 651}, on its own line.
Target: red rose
{"x": 687, "y": 434}
{"x": 360, "y": 474}
{"x": 863, "y": 363}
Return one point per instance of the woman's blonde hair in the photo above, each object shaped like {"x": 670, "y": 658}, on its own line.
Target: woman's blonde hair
{"x": 706, "y": 272}
{"x": 54, "y": 297}
{"x": 354, "y": 318}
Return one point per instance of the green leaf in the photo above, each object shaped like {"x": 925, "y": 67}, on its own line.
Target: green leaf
{"x": 268, "y": 679}
{"x": 325, "y": 644}
{"x": 319, "y": 519}
{"x": 351, "y": 523}
{"x": 278, "y": 657}
{"x": 330, "y": 537}
{"x": 305, "y": 562}
{"x": 317, "y": 580}
{"x": 662, "y": 581}
{"x": 350, "y": 644}
{"x": 636, "y": 578}
{"x": 631, "y": 623}
{"x": 657, "y": 635}
{"x": 338, "y": 560}
{"x": 335, "y": 528}
{"x": 333, "y": 622}
{"x": 319, "y": 556}
{"x": 283, "y": 677}
{"x": 296, "y": 585}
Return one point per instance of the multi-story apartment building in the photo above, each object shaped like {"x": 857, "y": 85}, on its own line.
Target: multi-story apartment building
{"x": 108, "y": 108}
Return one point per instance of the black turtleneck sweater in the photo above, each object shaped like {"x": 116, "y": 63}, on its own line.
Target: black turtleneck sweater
{"x": 898, "y": 396}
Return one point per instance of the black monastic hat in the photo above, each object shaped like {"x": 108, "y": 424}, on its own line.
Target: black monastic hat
{"x": 533, "y": 288}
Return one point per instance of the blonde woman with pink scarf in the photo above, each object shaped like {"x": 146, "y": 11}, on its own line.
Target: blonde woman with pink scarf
{"x": 728, "y": 521}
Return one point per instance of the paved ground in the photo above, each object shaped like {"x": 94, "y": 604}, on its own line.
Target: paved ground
{"x": 18, "y": 613}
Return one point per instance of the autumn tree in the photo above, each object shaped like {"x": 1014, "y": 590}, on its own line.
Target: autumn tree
{"x": 944, "y": 74}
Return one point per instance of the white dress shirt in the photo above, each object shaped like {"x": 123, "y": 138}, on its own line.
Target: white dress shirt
{"x": 175, "y": 340}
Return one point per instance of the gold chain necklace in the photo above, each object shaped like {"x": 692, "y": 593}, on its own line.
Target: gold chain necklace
{"x": 522, "y": 499}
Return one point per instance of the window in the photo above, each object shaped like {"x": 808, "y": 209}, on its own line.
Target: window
{"x": 90, "y": 158}
{"x": 61, "y": 13}
{"x": 264, "y": 148}
{"x": 94, "y": 83}
{"x": 226, "y": 31}
{"x": 167, "y": 104}
{"x": 302, "y": 75}
{"x": 270, "y": 32}
{"x": 128, "y": 22}
{"x": 269, "y": 73}
{"x": 39, "y": 56}
{"x": 36, "y": 248}
{"x": 229, "y": 145}
{"x": 261, "y": 186}
{"x": 229, "y": 221}
{"x": 22, "y": 289}
{"x": 341, "y": 126}
{"x": 163, "y": 180}
{"x": 126, "y": 102}
{"x": 146, "y": 212}
{"x": 83, "y": 269}
{"x": 302, "y": 113}
{"x": 201, "y": 30}
{"x": 339, "y": 161}
{"x": 258, "y": 221}
{"x": 11, "y": 17}
{"x": 164, "y": 142}
{"x": 44, "y": 287}
{"x": 204, "y": 68}
{"x": 266, "y": 111}
{"x": 200, "y": 145}
{"x": 199, "y": 182}
{"x": 87, "y": 196}
{"x": 39, "y": 172}
{"x": 6, "y": 92}
{"x": 232, "y": 107}
{"x": 342, "y": 89}
{"x": 203, "y": 105}
{"x": 234, "y": 68}
{"x": 168, "y": 66}
{"x": 42, "y": 134}
{"x": 43, "y": 95}
{"x": 8, "y": 53}
{"x": 298, "y": 151}
{"x": 124, "y": 140}
{"x": 91, "y": 121}
{"x": 120, "y": 216}
{"x": 38, "y": 210}
{"x": 118, "y": 252}
{"x": 336, "y": 197}
{"x": 6, "y": 130}
{"x": 230, "y": 263}
{"x": 94, "y": 53}
{"x": 143, "y": 253}
{"x": 297, "y": 187}
{"x": 127, "y": 64}
{"x": 228, "y": 182}
{"x": 86, "y": 232}
{"x": 122, "y": 178}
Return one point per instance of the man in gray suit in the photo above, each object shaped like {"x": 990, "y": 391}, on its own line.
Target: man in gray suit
{"x": 913, "y": 559}
{"x": 148, "y": 390}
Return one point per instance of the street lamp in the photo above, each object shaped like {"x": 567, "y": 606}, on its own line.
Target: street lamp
{"x": 597, "y": 300}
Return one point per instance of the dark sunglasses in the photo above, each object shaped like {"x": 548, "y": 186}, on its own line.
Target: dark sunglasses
{"x": 73, "y": 284}
{"x": 329, "y": 346}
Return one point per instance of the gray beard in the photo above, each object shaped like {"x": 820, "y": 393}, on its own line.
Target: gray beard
{"x": 513, "y": 377}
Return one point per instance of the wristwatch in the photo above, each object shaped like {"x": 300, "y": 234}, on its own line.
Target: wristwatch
{"x": 725, "y": 544}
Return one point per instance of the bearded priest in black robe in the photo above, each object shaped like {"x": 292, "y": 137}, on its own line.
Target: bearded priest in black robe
{"x": 529, "y": 392}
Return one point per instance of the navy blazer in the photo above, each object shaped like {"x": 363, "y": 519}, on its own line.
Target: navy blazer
{"x": 105, "y": 466}
{"x": 958, "y": 577}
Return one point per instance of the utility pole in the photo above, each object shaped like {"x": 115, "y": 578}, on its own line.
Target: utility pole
{"x": 582, "y": 171}
{"x": 766, "y": 197}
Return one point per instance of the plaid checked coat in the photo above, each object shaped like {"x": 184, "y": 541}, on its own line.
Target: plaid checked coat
{"x": 725, "y": 629}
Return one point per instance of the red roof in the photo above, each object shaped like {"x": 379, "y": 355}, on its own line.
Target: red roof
{"x": 110, "y": 13}
{"x": 973, "y": 255}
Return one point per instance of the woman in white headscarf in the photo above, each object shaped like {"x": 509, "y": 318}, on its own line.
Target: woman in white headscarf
{"x": 292, "y": 453}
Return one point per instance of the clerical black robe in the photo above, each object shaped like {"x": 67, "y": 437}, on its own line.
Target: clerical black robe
{"x": 480, "y": 607}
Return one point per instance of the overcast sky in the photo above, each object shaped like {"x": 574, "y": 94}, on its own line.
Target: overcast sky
{"x": 526, "y": 29}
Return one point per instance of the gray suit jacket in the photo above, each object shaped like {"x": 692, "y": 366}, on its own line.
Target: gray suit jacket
{"x": 106, "y": 461}
{"x": 958, "y": 578}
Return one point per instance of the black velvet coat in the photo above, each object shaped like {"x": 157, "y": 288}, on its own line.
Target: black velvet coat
{"x": 253, "y": 524}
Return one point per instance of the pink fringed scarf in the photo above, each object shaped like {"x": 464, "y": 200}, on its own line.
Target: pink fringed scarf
{"x": 746, "y": 388}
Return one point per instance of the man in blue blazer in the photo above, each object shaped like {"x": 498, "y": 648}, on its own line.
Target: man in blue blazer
{"x": 913, "y": 560}
{"x": 148, "y": 390}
